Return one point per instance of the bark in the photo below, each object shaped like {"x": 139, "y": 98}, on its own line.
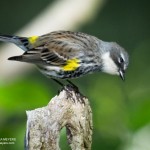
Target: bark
{"x": 68, "y": 109}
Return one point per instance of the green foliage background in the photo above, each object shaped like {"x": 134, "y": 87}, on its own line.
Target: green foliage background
{"x": 119, "y": 108}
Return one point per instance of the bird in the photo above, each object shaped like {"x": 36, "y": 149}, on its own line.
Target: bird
{"x": 68, "y": 54}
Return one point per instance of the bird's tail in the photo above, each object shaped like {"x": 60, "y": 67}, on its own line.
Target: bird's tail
{"x": 21, "y": 42}
{"x": 16, "y": 58}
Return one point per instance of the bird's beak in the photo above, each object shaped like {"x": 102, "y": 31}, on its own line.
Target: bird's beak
{"x": 122, "y": 74}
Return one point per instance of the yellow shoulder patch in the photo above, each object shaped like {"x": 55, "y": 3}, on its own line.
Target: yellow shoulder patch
{"x": 33, "y": 39}
{"x": 72, "y": 64}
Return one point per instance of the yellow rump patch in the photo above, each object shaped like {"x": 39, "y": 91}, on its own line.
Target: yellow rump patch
{"x": 72, "y": 64}
{"x": 33, "y": 39}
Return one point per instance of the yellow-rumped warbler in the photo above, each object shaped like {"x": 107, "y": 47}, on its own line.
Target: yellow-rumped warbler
{"x": 66, "y": 54}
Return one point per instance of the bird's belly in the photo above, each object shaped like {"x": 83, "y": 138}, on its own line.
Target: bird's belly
{"x": 57, "y": 72}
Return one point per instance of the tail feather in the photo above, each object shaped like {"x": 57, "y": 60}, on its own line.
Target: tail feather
{"x": 16, "y": 58}
{"x": 23, "y": 58}
{"x": 7, "y": 38}
{"x": 22, "y": 42}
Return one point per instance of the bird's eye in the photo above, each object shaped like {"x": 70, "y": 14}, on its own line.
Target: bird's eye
{"x": 121, "y": 60}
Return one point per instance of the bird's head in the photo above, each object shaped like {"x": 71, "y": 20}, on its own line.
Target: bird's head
{"x": 115, "y": 60}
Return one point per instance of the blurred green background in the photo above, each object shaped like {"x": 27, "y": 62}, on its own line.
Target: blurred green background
{"x": 121, "y": 110}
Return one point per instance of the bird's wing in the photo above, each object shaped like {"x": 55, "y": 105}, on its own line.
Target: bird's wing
{"x": 52, "y": 54}
{"x": 44, "y": 56}
{"x": 59, "y": 49}
{"x": 49, "y": 57}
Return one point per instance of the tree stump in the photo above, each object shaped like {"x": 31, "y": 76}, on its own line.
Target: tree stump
{"x": 68, "y": 109}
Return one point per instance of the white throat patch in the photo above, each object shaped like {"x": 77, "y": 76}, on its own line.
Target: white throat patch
{"x": 108, "y": 64}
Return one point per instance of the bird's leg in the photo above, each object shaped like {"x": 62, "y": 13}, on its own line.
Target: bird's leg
{"x": 73, "y": 85}
{"x": 58, "y": 82}
{"x": 77, "y": 92}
